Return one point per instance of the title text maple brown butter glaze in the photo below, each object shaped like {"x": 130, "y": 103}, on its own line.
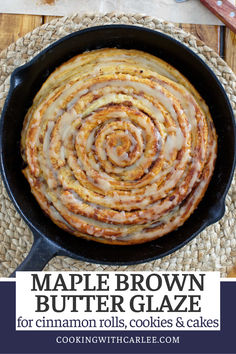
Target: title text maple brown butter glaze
{"x": 119, "y": 147}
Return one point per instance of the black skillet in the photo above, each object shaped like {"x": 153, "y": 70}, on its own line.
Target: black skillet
{"x": 49, "y": 240}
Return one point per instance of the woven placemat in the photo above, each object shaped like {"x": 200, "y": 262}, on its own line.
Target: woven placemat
{"x": 213, "y": 250}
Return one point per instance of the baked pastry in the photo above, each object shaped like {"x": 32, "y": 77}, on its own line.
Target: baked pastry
{"x": 119, "y": 147}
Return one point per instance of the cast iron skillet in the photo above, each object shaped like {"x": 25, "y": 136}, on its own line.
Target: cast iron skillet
{"x": 49, "y": 240}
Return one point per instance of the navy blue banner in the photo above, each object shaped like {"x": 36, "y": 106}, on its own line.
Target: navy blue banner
{"x": 12, "y": 341}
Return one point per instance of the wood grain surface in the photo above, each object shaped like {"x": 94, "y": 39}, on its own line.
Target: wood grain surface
{"x": 230, "y": 49}
{"x": 224, "y": 10}
{"x": 13, "y": 27}
{"x": 208, "y": 34}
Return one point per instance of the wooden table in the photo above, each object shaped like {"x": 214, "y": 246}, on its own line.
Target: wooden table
{"x": 221, "y": 39}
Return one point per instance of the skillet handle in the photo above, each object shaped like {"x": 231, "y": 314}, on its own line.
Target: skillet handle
{"x": 40, "y": 254}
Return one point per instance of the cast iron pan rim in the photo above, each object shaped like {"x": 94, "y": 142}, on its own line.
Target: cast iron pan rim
{"x": 60, "y": 249}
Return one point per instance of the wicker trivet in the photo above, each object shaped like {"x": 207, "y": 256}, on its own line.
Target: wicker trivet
{"x": 213, "y": 250}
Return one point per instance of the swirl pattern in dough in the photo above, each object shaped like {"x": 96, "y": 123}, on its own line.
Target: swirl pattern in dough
{"x": 119, "y": 147}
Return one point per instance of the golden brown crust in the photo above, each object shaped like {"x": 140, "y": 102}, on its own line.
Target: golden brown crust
{"x": 119, "y": 146}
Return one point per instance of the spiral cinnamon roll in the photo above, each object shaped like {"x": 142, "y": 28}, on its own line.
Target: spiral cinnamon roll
{"x": 119, "y": 147}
